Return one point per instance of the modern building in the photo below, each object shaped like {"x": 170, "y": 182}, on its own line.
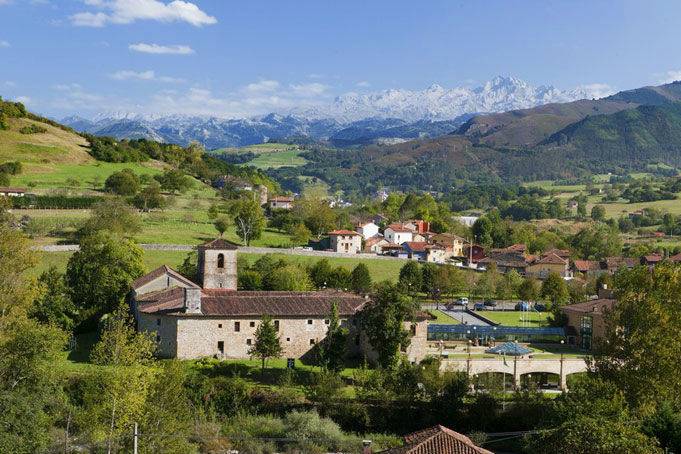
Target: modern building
{"x": 586, "y": 322}
{"x": 345, "y": 241}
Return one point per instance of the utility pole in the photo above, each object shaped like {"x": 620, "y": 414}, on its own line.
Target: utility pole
{"x": 135, "y": 436}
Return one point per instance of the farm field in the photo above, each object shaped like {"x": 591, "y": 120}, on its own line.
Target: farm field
{"x": 269, "y": 155}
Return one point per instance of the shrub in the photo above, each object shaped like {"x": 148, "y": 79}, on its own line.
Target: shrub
{"x": 124, "y": 182}
{"x": 33, "y": 129}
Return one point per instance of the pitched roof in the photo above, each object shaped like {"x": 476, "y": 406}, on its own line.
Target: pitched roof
{"x": 551, "y": 259}
{"x": 586, "y": 265}
{"x": 437, "y": 440}
{"x": 415, "y": 246}
{"x": 281, "y": 198}
{"x": 399, "y": 228}
{"x": 343, "y": 232}
{"x": 652, "y": 258}
{"x": 593, "y": 306}
{"x": 231, "y": 303}
{"x": 219, "y": 243}
{"x": 11, "y": 189}
{"x": 675, "y": 258}
{"x": 158, "y": 272}
{"x": 562, "y": 253}
{"x": 518, "y": 247}
{"x": 374, "y": 240}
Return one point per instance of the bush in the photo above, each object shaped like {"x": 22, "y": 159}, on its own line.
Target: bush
{"x": 11, "y": 168}
{"x": 124, "y": 182}
{"x": 33, "y": 129}
{"x": 54, "y": 201}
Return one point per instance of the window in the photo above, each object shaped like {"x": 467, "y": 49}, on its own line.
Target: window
{"x": 237, "y": 327}
{"x": 252, "y": 324}
{"x": 248, "y": 342}
{"x": 158, "y": 338}
{"x": 412, "y": 329}
{"x": 309, "y": 322}
{"x": 221, "y": 260}
{"x": 276, "y": 325}
{"x": 221, "y": 347}
{"x": 219, "y": 325}
{"x": 326, "y": 322}
{"x": 158, "y": 322}
{"x": 288, "y": 339}
{"x": 586, "y": 324}
{"x": 312, "y": 341}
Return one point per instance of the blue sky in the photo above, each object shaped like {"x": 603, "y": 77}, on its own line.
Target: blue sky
{"x": 237, "y": 58}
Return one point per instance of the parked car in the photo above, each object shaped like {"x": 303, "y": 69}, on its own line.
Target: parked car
{"x": 540, "y": 307}
{"x": 462, "y": 301}
{"x": 479, "y": 307}
{"x": 522, "y": 306}
{"x": 490, "y": 303}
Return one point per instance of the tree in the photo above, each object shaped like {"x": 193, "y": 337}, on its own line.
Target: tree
{"x": 598, "y": 242}
{"x": 300, "y": 234}
{"x": 16, "y": 258}
{"x": 411, "y": 278}
{"x": 250, "y": 280}
{"x": 316, "y": 214}
{"x": 529, "y": 290}
{"x": 509, "y": 285}
{"x": 288, "y": 278}
{"x": 112, "y": 215}
{"x": 124, "y": 182}
{"x": 54, "y": 305}
{"x": 100, "y": 273}
{"x": 221, "y": 224}
{"x": 266, "y": 343}
{"x": 174, "y": 181}
{"x": 120, "y": 344}
{"x": 598, "y": 213}
{"x": 332, "y": 349}
{"x": 150, "y": 198}
{"x": 555, "y": 290}
{"x": 641, "y": 346}
{"x": 581, "y": 205}
{"x": 360, "y": 278}
{"x": 383, "y": 323}
{"x": 320, "y": 273}
{"x": 249, "y": 220}
{"x": 449, "y": 280}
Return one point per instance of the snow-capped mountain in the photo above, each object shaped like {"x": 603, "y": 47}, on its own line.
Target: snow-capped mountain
{"x": 350, "y": 119}
{"x": 500, "y": 94}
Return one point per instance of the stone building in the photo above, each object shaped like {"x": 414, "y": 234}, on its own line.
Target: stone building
{"x": 345, "y": 241}
{"x": 215, "y": 319}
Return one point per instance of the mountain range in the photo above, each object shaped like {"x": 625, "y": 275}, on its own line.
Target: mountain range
{"x": 388, "y": 116}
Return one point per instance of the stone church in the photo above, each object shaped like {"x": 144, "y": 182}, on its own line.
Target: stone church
{"x": 214, "y": 319}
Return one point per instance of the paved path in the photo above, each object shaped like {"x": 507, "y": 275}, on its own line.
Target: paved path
{"x": 464, "y": 317}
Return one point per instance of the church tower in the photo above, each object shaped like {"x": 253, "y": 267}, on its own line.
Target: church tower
{"x": 217, "y": 265}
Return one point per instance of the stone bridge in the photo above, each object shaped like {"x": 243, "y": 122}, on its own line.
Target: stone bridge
{"x": 516, "y": 367}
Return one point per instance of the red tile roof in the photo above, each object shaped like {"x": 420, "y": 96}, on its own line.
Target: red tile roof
{"x": 10, "y": 189}
{"x": 562, "y": 253}
{"x": 551, "y": 259}
{"x": 586, "y": 265}
{"x": 675, "y": 258}
{"x": 416, "y": 246}
{"x": 343, "y": 232}
{"x": 437, "y": 440}
{"x": 399, "y": 228}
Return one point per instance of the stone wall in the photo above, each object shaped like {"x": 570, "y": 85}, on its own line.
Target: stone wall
{"x": 213, "y": 276}
{"x": 415, "y": 352}
{"x": 165, "y": 329}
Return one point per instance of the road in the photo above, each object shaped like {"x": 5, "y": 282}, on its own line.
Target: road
{"x": 464, "y": 317}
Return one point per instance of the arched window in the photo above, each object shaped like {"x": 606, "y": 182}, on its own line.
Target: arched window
{"x": 221, "y": 260}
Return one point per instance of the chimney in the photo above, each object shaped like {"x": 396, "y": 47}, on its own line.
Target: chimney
{"x": 192, "y": 300}
{"x": 366, "y": 447}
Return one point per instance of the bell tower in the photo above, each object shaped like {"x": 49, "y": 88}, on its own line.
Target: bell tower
{"x": 217, "y": 265}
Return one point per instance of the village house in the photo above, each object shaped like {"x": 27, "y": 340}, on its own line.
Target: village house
{"x": 398, "y": 234}
{"x": 586, "y": 268}
{"x": 549, "y": 263}
{"x": 374, "y": 245}
{"x": 215, "y": 319}
{"x": 367, "y": 229}
{"x": 345, "y": 241}
{"x": 418, "y": 226}
{"x": 435, "y": 440}
{"x": 473, "y": 254}
{"x": 651, "y": 260}
{"x": 453, "y": 242}
{"x": 12, "y": 192}
{"x": 281, "y": 202}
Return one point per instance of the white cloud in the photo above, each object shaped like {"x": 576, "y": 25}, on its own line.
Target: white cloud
{"x": 4, "y": 43}
{"x": 126, "y": 74}
{"x": 597, "y": 90}
{"x": 263, "y": 86}
{"x": 310, "y": 90}
{"x": 129, "y": 11}
{"x": 670, "y": 76}
{"x": 161, "y": 50}
{"x": 363, "y": 84}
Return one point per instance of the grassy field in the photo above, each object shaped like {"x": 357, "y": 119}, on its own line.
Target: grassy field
{"x": 514, "y": 318}
{"x": 53, "y": 146}
{"x": 442, "y": 318}
{"x": 270, "y": 155}
{"x": 380, "y": 270}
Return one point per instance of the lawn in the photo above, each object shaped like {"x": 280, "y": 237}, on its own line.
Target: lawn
{"x": 517, "y": 318}
{"x": 269, "y": 155}
{"x": 380, "y": 270}
{"x": 442, "y": 318}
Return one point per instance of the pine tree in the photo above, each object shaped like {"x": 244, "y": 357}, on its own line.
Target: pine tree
{"x": 361, "y": 278}
{"x": 332, "y": 350}
{"x": 266, "y": 342}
